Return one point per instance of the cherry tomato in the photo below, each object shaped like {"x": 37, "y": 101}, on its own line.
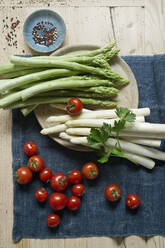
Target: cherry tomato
{"x": 90, "y": 170}
{"x": 132, "y": 201}
{"x": 59, "y": 182}
{"x": 36, "y": 163}
{"x": 45, "y": 175}
{"x": 30, "y": 148}
{"x": 41, "y": 195}
{"x": 112, "y": 192}
{"x": 78, "y": 189}
{"x": 73, "y": 203}
{"x": 23, "y": 175}
{"x": 75, "y": 177}
{"x": 57, "y": 201}
{"x": 74, "y": 106}
{"x": 53, "y": 220}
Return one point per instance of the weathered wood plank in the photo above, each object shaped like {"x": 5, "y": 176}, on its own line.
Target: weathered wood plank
{"x": 76, "y": 243}
{"x": 73, "y": 3}
{"x": 42, "y": 243}
{"x": 154, "y": 27}
{"x": 106, "y": 242}
{"x": 108, "y": 3}
{"x": 134, "y": 242}
{"x": 6, "y": 199}
{"x": 128, "y": 26}
{"x": 156, "y": 242}
{"x": 91, "y": 25}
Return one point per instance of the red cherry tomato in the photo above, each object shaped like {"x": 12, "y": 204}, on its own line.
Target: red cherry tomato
{"x": 53, "y": 220}
{"x": 57, "y": 201}
{"x": 78, "y": 189}
{"x": 36, "y": 163}
{"x": 45, "y": 175}
{"x": 73, "y": 203}
{"x": 59, "y": 182}
{"x": 90, "y": 170}
{"x": 132, "y": 201}
{"x": 112, "y": 192}
{"x": 23, "y": 175}
{"x": 74, "y": 106}
{"x": 30, "y": 148}
{"x": 41, "y": 195}
{"x": 75, "y": 177}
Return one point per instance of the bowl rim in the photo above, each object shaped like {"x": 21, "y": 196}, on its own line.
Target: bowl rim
{"x": 25, "y": 23}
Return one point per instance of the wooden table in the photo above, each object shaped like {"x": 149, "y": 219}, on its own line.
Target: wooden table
{"x": 139, "y": 28}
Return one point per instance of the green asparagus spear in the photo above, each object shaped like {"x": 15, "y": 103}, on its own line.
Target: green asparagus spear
{"x": 60, "y": 84}
{"x": 34, "y": 77}
{"x": 48, "y": 100}
{"x": 100, "y": 50}
{"x": 70, "y": 66}
{"x": 109, "y": 55}
{"x": 16, "y": 74}
{"x": 48, "y": 86}
{"x": 82, "y": 59}
{"x": 99, "y": 90}
{"x": 11, "y": 67}
{"x": 72, "y": 93}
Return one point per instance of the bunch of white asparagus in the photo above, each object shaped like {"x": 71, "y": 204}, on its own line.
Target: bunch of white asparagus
{"x": 136, "y": 139}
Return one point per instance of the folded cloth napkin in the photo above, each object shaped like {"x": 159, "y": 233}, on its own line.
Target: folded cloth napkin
{"x": 96, "y": 217}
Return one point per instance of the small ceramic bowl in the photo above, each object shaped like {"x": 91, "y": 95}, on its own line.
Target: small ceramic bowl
{"x": 44, "y": 15}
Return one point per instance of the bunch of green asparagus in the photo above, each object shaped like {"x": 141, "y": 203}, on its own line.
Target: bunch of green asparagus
{"x": 27, "y": 82}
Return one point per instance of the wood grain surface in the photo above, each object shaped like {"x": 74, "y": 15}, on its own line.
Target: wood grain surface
{"x": 138, "y": 26}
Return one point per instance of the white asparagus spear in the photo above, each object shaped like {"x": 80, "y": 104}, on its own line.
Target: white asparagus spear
{"x": 128, "y": 147}
{"x": 64, "y": 118}
{"x": 135, "y": 134}
{"x": 143, "y": 141}
{"x": 146, "y": 162}
{"x": 85, "y": 131}
{"x": 80, "y": 131}
{"x": 138, "y": 149}
{"x": 54, "y": 129}
{"x": 65, "y": 136}
{"x": 96, "y": 123}
{"x": 98, "y": 114}
{"x": 136, "y": 126}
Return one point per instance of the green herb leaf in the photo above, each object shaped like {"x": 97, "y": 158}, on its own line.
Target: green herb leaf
{"x": 99, "y": 136}
{"x": 118, "y": 126}
{"x": 125, "y": 114}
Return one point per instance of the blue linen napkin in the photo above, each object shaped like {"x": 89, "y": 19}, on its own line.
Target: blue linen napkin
{"x": 96, "y": 217}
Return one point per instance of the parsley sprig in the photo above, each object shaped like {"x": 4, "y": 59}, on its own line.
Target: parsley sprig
{"x": 98, "y": 136}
